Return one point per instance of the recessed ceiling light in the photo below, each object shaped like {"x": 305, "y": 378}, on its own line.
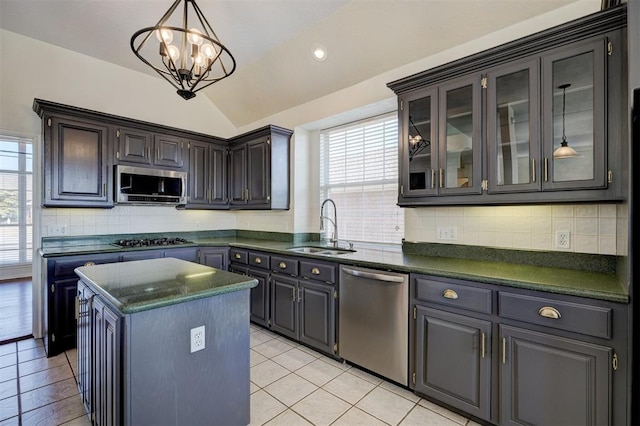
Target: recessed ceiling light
{"x": 318, "y": 52}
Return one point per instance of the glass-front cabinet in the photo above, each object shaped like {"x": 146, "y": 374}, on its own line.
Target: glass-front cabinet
{"x": 574, "y": 117}
{"x": 513, "y": 119}
{"x": 419, "y": 146}
{"x": 440, "y": 140}
{"x": 460, "y": 168}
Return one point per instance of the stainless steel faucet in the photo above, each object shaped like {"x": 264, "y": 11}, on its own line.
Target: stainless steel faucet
{"x": 333, "y": 240}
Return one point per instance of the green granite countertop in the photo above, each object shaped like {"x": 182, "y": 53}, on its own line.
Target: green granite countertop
{"x": 149, "y": 284}
{"x": 487, "y": 268}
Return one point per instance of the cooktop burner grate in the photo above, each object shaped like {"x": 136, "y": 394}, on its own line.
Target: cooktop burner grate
{"x": 152, "y": 242}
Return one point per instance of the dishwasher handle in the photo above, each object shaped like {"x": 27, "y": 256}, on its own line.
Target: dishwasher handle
{"x": 374, "y": 276}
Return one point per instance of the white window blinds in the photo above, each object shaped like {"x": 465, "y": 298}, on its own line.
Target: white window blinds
{"x": 359, "y": 172}
{"x": 16, "y": 158}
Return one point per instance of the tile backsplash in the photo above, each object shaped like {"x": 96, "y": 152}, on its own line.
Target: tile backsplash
{"x": 593, "y": 228}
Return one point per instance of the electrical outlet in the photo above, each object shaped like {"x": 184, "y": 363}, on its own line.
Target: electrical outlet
{"x": 447, "y": 233}
{"x": 197, "y": 339}
{"x": 563, "y": 239}
{"x": 57, "y": 230}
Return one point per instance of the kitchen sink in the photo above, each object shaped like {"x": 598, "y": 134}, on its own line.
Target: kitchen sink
{"x": 327, "y": 251}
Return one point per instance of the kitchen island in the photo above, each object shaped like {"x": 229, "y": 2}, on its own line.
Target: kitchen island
{"x": 163, "y": 341}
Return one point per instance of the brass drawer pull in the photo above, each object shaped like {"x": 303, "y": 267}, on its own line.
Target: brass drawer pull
{"x": 89, "y": 263}
{"x": 549, "y": 312}
{"x": 238, "y": 256}
{"x": 483, "y": 342}
{"x": 258, "y": 260}
{"x": 315, "y": 271}
{"x": 449, "y": 294}
{"x": 282, "y": 265}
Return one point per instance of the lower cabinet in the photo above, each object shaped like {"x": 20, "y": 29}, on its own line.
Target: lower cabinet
{"x": 216, "y": 257}
{"x": 513, "y": 356}
{"x": 571, "y": 379}
{"x": 259, "y": 299}
{"x": 453, "y": 360}
{"x": 84, "y": 335}
{"x": 106, "y": 368}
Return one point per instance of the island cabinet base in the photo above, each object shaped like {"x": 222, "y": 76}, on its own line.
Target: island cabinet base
{"x": 160, "y": 381}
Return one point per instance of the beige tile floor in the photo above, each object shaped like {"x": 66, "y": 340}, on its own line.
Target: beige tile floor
{"x": 290, "y": 385}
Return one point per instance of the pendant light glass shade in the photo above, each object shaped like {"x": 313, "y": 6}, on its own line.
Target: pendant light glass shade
{"x": 184, "y": 50}
{"x": 564, "y": 150}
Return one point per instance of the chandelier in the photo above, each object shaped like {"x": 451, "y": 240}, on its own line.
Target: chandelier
{"x": 417, "y": 143}
{"x": 564, "y": 150}
{"x": 187, "y": 53}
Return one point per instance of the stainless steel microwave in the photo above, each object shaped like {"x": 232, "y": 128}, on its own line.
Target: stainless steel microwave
{"x": 141, "y": 185}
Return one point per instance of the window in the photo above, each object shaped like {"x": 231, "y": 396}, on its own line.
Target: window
{"x": 16, "y": 158}
{"x": 359, "y": 172}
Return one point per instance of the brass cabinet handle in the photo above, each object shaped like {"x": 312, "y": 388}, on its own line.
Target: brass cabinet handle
{"x": 483, "y": 341}
{"x": 238, "y": 256}
{"x": 533, "y": 169}
{"x": 433, "y": 178}
{"x": 546, "y": 169}
{"x": 441, "y": 179}
{"x": 299, "y": 294}
{"x": 257, "y": 260}
{"x": 315, "y": 271}
{"x": 449, "y": 294}
{"x": 549, "y": 312}
{"x": 89, "y": 263}
{"x": 504, "y": 350}
{"x": 282, "y": 265}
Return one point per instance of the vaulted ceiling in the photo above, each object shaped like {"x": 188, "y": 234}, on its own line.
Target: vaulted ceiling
{"x": 271, "y": 39}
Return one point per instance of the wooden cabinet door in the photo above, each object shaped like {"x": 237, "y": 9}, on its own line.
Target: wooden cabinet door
{"x": 284, "y": 303}
{"x": 259, "y": 298}
{"x": 64, "y": 315}
{"x": 574, "y": 105}
{"x": 218, "y": 176}
{"x": 106, "y": 364}
{"x": 199, "y": 169}
{"x": 76, "y": 163}
{"x": 238, "y": 175}
{"x": 419, "y": 143}
{"x": 168, "y": 151}
{"x": 215, "y": 257}
{"x": 453, "y": 362}
{"x": 459, "y": 133}
{"x": 258, "y": 172}
{"x": 134, "y": 146}
{"x": 513, "y": 127}
{"x": 317, "y": 315}
{"x": 551, "y": 380}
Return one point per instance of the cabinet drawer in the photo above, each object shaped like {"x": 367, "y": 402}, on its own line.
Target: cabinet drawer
{"x": 259, "y": 260}
{"x": 318, "y": 271}
{"x": 455, "y": 295}
{"x": 584, "y": 319}
{"x": 286, "y": 265}
{"x": 239, "y": 256}
{"x": 65, "y": 267}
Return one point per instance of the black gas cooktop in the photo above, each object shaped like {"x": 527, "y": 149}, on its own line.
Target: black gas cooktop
{"x": 152, "y": 242}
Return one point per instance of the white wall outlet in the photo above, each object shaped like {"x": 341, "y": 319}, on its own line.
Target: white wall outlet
{"x": 197, "y": 339}
{"x": 563, "y": 239}
{"x": 57, "y": 230}
{"x": 447, "y": 233}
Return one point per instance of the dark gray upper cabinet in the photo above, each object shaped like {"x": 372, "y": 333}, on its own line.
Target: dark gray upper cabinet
{"x": 498, "y": 144}
{"x": 140, "y": 147}
{"x": 207, "y": 176}
{"x": 259, "y": 169}
{"x": 76, "y": 162}
{"x": 250, "y": 171}
{"x": 513, "y": 131}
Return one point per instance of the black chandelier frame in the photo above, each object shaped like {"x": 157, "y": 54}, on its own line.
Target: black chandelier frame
{"x": 180, "y": 75}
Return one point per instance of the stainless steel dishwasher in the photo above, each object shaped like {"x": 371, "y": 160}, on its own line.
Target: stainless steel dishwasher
{"x": 373, "y": 320}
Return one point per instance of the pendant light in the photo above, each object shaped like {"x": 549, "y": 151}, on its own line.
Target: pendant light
{"x": 564, "y": 150}
{"x": 185, "y": 52}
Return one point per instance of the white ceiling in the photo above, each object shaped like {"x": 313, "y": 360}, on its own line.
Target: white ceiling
{"x": 271, "y": 39}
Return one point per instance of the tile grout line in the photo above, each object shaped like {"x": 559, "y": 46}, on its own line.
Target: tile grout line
{"x": 19, "y": 396}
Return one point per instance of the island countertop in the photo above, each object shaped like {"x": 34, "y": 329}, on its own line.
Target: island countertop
{"x": 149, "y": 284}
